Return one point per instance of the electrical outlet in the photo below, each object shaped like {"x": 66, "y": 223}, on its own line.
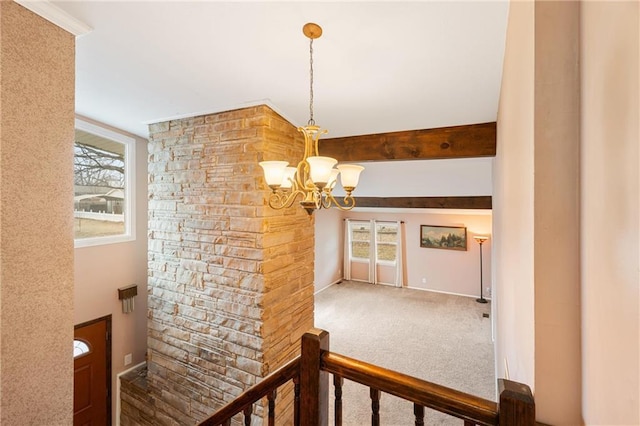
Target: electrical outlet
{"x": 424, "y": 280}
{"x": 127, "y": 359}
{"x": 488, "y": 291}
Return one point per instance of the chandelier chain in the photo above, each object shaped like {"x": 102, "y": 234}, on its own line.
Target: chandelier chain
{"x": 311, "y": 120}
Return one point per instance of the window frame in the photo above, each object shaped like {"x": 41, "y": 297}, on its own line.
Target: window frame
{"x": 351, "y": 257}
{"x": 377, "y": 243}
{"x": 129, "y": 185}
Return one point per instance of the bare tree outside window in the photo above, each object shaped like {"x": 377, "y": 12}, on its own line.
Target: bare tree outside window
{"x": 97, "y": 167}
{"x": 99, "y": 178}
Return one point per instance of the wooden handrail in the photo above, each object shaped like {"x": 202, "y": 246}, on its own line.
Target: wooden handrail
{"x": 310, "y": 371}
{"x": 441, "y": 398}
{"x": 256, "y": 392}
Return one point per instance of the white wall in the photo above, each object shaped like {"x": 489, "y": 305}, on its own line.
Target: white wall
{"x": 101, "y": 270}
{"x": 557, "y": 212}
{"x": 610, "y": 216}
{"x": 513, "y": 202}
{"x": 570, "y": 325}
{"x": 448, "y": 271}
{"x": 329, "y": 248}
{"x": 457, "y": 177}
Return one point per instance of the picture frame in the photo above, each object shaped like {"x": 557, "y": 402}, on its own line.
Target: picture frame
{"x": 443, "y": 237}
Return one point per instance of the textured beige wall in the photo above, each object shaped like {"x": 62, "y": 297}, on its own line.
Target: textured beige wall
{"x": 513, "y": 202}
{"x": 37, "y": 105}
{"x": 610, "y": 216}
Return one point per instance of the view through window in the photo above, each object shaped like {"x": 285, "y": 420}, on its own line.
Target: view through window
{"x": 101, "y": 194}
{"x": 386, "y": 241}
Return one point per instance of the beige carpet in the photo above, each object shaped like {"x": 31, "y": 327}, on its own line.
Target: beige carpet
{"x": 436, "y": 337}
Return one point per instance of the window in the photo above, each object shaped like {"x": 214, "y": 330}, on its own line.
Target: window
{"x": 360, "y": 240}
{"x": 80, "y": 348}
{"x": 104, "y": 179}
{"x": 386, "y": 241}
{"x": 373, "y": 252}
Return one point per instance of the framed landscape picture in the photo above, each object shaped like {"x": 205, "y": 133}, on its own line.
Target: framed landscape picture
{"x": 443, "y": 237}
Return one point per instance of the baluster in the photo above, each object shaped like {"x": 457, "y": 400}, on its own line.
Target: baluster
{"x": 272, "y": 407}
{"x": 247, "y": 415}
{"x": 418, "y": 411}
{"x": 296, "y": 401}
{"x": 227, "y": 422}
{"x": 375, "y": 406}
{"x": 337, "y": 383}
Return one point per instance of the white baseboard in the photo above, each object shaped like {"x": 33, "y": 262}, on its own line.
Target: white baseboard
{"x": 117, "y": 420}
{"x": 445, "y": 292}
{"x": 338, "y": 281}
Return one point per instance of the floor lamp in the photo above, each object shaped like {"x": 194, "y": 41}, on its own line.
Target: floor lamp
{"x": 481, "y": 239}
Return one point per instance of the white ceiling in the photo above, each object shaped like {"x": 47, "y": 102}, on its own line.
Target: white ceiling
{"x": 379, "y": 66}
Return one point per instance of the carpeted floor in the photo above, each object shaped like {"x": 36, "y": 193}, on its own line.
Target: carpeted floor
{"x": 436, "y": 337}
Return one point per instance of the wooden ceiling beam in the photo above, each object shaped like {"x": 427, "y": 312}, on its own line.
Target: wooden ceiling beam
{"x": 474, "y": 140}
{"x": 471, "y": 202}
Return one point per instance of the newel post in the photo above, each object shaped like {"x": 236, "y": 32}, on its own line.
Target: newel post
{"x": 314, "y": 384}
{"x": 516, "y": 406}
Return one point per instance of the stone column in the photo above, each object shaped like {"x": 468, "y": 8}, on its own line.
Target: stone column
{"x": 230, "y": 279}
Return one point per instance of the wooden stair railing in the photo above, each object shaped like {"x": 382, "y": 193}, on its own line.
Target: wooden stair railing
{"x": 310, "y": 373}
{"x": 266, "y": 388}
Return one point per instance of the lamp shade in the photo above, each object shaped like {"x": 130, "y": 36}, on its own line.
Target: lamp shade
{"x": 350, "y": 175}
{"x": 273, "y": 172}
{"x": 333, "y": 177}
{"x": 288, "y": 177}
{"x": 320, "y": 169}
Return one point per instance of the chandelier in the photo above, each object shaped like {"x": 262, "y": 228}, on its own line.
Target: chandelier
{"x": 315, "y": 177}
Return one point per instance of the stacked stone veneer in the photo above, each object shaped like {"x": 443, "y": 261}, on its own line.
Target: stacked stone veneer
{"x": 230, "y": 279}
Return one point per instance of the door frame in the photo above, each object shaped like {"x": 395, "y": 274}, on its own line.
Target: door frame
{"x": 107, "y": 319}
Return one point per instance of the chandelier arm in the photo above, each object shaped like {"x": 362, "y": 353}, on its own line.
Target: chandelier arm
{"x": 279, "y": 199}
{"x": 348, "y": 202}
{"x": 307, "y": 142}
{"x": 302, "y": 175}
{"x": 316, "y": 139}
{"x": 326, "y": 200}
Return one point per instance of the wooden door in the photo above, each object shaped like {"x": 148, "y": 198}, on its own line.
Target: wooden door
{"x": 92, "y": 373}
